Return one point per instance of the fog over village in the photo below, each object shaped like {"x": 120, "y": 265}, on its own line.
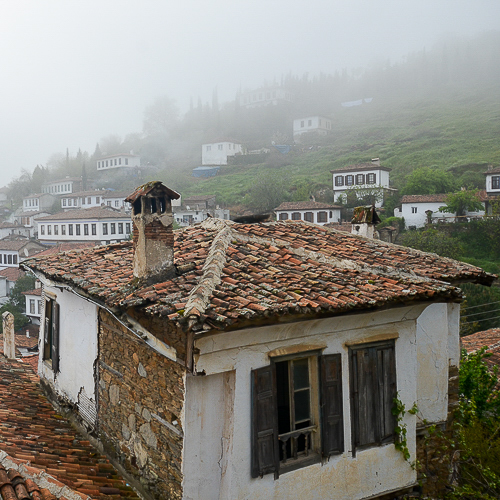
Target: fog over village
{"x": 250, "y": 250}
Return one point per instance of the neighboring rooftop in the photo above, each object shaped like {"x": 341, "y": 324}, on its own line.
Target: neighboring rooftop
{"x": 487, "y": 338}
{"x": 38, "y": 443}
{"x": 230, "y": 273}
{"x": 85, "y": 213}
{"x": 64, "y": 247}
{"x": 12, "y": 273}
{"x": 424, "y": 198}
{"x": 360, "y": 167}
{"x": 305, "y": 205}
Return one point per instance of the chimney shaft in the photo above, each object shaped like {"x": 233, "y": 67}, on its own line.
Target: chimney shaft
{"x": 153, "y": 232}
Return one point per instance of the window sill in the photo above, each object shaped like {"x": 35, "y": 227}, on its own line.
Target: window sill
{"x": 300, "y": 462}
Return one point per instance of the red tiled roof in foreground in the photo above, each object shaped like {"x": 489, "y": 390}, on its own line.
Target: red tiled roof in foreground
{"x": 229, "y": 273}
{"x": 42, "y": 446}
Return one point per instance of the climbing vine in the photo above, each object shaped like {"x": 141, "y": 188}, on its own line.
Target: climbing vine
{"x": 399, "y": 411}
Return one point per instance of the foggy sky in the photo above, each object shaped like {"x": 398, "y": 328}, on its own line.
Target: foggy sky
{"x": 74, "y": 72}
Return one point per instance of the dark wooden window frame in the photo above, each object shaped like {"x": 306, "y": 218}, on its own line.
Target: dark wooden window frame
{"x": 495, "y": 182}
{"x": 339, "y": 180}
{"x": 51, "y": 333}
{"x": 360, "y": 179}
{"x": 371, "y": 178}
{"x": 329, "y": 426}
{"x": 309, "y": 216}
{"x": 322, "y": 216}
{"x": 372, "y": 372}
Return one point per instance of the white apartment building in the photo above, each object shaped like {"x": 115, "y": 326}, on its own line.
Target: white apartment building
{"x": 99, "y": 224}
{"x": 317, "y": 124}
{"x": 38, "y": 202}
{"x": 268, "y": 96}
{"x": 310, "y": 211}
{"x": 118, "y": 161}
{"x": 96, "y": 198}
{"x": 62, "y": 186}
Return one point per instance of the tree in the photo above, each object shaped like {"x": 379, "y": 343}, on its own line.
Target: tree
{"x": 426, "y": 180}
{"x": 160, "y": 117}
{"x": 461, "y": 202}
{"x": 19, "y": 318}
{"x": 267, "y": 193}
{"x": 434, "y": 241}
{"x": 23, "y": 284}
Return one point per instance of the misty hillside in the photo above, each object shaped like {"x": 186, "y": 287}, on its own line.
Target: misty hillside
{"x": 440, "y": 109}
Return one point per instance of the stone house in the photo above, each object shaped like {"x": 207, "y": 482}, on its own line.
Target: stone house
{"x": 228, "y": 360}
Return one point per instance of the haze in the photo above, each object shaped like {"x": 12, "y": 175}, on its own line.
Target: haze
{"x": 74, "y": 72}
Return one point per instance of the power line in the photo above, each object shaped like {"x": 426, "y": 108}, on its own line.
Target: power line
{"x": 484, "y": 312}
{"x": 482, "y": 305}
{"x": 480, "y": 320}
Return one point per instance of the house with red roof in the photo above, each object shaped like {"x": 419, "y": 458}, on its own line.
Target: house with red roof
{"x": 234, "y": 360}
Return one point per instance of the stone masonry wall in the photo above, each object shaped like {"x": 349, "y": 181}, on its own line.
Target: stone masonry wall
{"x": 141, "y": 397}
{"x": 434, "y": 454}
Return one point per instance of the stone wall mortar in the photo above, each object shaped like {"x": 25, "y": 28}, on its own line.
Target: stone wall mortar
{"x": 141, "y": 401}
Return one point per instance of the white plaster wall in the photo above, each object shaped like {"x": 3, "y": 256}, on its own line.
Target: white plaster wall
{"x": 372, "y": 471}
{"x": 419, "y": 219}
{"x": 489, "y": 189}
{"x": 218, "y": 156}
{"x": 77, "y": 349}
{"x": 334, "y": 211}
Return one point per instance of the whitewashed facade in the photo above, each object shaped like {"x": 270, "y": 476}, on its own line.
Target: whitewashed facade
{"x": 38, "y": 202}
{"x": 62, "y": 186}
{"x": 221, "y": 440}
{"x": 362, "y": 179}
{"x": 309, "y": 211}
{"x": 118, "y": 161}
{"x": 217, "y": 153}
{"x": 94, "y": 224}
{"x": 318, "y": 124}
{"x": 269, "y": 96}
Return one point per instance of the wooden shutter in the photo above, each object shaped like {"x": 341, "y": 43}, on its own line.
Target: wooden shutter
{"x": 332, "y": 425}
{"x": 386, "y": 378}
{"x": 265, "y": 457}
{"x": 55, "y": 336}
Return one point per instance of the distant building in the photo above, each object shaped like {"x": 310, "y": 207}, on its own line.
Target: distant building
{"x": 27, "y": 219}
{"x": 63, "y": 186}
{"x": 99, "y": 224}
{"x": 318, "y": 124}
{"x": 33, "y": 304}
{"x": 198, "y": 208}
{"x": 8, "y": 278}
{"x": 217, "y": 153}
{"x": 38, "y": 202}
{"x": 310, "y": 211}
{"x": 118, "y": 161}
{"x": 10, "y": 229}
{"x": 362, "y": 179}
{"x": 492, "y": 190}
{"x": 95, "y": 198}
{"x": 14, "y": 252}
{"x": 268, "y": 96}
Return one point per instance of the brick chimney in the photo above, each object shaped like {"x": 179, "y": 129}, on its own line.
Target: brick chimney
{"x": 153, "y": 233}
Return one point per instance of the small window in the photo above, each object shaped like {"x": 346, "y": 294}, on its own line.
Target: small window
{"x": 70, "y": 229}
{"x": 302, "y": 125}
{"x": 85, "y": 229}
{"x": 309, "y": 216}
{"x": 297, "y": 415}
{"x": 64, "y": 202}
{"x": 322, "y": 217}
{"x": 220, "y": 147}
{"x": 77, "y": 229}
{"x": 339, "y": 180}
{"x": 117, "y": 203}
{"x": 127, "y": 227}
{"x": 360, "y": 179}
{"x": 108, "y": 203}
{"x": 113, "y": 228}
{"x": 104, "y": 228}
{"x": 39, "y": 306}
{"x": 63, "y": 229}
{"x": 83, "y": 200}
{"x": 94, "y": 229}
{"x": 49, "y": 229}
{"x": 56, "y": 230}
{"x": 349, "y": 180}
{"x": 126, "y": 161}
{"x": 296, "y": 216}
{"x": 371, "y": 178}
{"x": 9, "y": 259}
{"x": 209, "y": 148}
{"x": 413, "y": 210}
{"x": 32, "y": 306}
{"x": 89, "y": 200}
{"x": 42, "y": 229}
{"x": 120, "y": 228}
{"x": 495, "y": 182}
{"x": 14, "y": 259}
{"x": 283, "y": 216}
{"x": 309, "y": 123}
{"x": 97, "y": 200}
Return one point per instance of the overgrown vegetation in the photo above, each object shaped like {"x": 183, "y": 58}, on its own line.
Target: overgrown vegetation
{"x": 477, "y": 445}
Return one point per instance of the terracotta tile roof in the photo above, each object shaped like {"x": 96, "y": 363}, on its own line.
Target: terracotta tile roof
{"x": 9, "y": 225}
{"x": 487, "y": 338}
{"x": 359, "y": 167}
{"x": 15, "y": 245}
{"x": 424, "y": 198}
{"x": 90, "y": 192}
{"x": 40, "y": 443}
{"x": 228, "y": 273}
{"x": 30, "y": 213}
{"x": 495, "y": 170}
{"x": 12, "y": 273}
{"x": 64, "y": 247}
{"x": 85, "y": 213}
{"x": 152, "y": 188}
{"x": 305, "y": 205}
{"x": 35, "y": 291}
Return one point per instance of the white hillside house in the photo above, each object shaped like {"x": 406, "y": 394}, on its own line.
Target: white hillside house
{"x": 217, "y": 153}
{"x": 118, "y": 161}
{"x": 318, "y": 124}
{"x": 363, "y": 179}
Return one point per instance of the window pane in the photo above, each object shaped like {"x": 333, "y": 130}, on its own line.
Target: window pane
{"x": 302, "y": 406}
{"x": 301, "y": 373}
